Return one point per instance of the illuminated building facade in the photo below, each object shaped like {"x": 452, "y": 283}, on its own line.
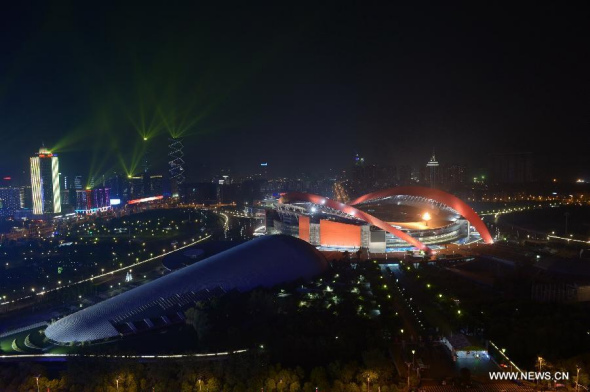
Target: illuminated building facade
{"x": 89, "y": 201}
{"x": 176, "y": 164}
{"x": 10, "y": 200}
{"x": 78, "y": 182}
{"x": 45, "y": 187}
{"x": 144, "y": 186}
{"x": 432, "y": 167}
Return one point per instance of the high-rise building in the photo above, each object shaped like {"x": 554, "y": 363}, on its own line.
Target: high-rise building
{"x": 512, "y": 168}
{"x": 78, "y": 183}
{"x": 116, "y": 184}
{"x": 65, "y": 197}
{"x": 156, "y": 185}
{"x": 432, "y": 167}
{"x": 176, "y": 163}
{"x": 10, "y": 200}
{"x": 66, "y": 183}
{"x": 90, "y": 200}
{"x": 405, "y": 175}
{"x": 26, "y": 197}
{"x": 83, "y": 199}
{"x": 135, "y": 187}
{"x": 45, "y": 183}
{"x": 452, "y": 176}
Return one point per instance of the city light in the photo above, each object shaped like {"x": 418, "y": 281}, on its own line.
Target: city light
{"x": 152, "y": 258}
{"x": 362, "y": 198}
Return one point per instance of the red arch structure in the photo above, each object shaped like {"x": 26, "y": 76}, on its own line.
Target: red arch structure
{"x": 320, "y": 200}
{"x": 434, "y": 194}
{"x": 437, "y": 195}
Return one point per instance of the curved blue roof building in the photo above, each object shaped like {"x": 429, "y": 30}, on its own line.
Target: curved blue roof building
{"x": 262, "y": 262}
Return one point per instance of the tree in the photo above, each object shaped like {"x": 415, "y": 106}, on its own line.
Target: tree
{"x": 377, "y": 362}
{"x": 213, "y": 384}
{"x": 319, "y": 378}
{"x": 352, "y": 387}
{"x": 271, "y": 385}
{"x": 338, "y": 386}
{"x": 348, "y": 372}
{"x": 368, "y": 377}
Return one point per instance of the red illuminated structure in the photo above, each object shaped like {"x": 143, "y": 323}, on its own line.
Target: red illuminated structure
{"x": 434, "y": 194}
{"x": 340, "y": 234}
{"x": 145, "y": 199}
{"x": 320, "y": 200}
{"x": 428, "y": 193}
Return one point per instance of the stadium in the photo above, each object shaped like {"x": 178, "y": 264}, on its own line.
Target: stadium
{"x": 391, "y": 220}
{"x": 263, "y": 262}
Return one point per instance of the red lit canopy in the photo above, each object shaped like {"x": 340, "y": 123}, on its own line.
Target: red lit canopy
{"x": 434, "y": 194}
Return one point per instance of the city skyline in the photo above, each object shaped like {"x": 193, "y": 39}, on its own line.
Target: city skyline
{"x": 524, "y": 166}
{"x": 323, "y": 197}
{"x": 87, "y": 83}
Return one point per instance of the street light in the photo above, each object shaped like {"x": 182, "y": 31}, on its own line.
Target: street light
{"x": 37, "y": 378}
{"x": 413, "y": 363}
{"x": 117, "y": 381}
{"x": 577, "y": 376}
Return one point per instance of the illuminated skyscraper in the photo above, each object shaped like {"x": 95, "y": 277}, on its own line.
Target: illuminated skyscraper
{"x": 10, "y": 200}
{"x": 176, "y": 164}
{"x": 45, "y": 183}
{"x": 78, "y": 183}
{"x": 432, "y": 166}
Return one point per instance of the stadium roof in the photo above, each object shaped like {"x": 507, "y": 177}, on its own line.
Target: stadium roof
{"x": 262, "y": 262}
{"x": 444, "y": 198}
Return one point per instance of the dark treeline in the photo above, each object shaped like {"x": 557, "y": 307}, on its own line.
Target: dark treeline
{"x": 241, "y": 373}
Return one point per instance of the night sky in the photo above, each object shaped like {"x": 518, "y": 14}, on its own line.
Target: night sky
{"x": 302, "y": 86}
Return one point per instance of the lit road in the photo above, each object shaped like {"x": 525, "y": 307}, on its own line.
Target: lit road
{"x": 411, "y": 326}
{"x": 106, "y": 276}
{"x": 427, "y": 350}
{"x": 28, "y": 309}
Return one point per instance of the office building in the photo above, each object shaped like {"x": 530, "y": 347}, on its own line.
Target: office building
{"x": 45, "y": 183}
{"x": 432, "y": 171}
{"x": 10, "y": 200}
{"x": 512, "y": 168}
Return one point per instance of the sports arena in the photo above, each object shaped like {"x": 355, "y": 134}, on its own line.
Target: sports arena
{"x": 390, "y": 220}
{"x": 262, "y": 262}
